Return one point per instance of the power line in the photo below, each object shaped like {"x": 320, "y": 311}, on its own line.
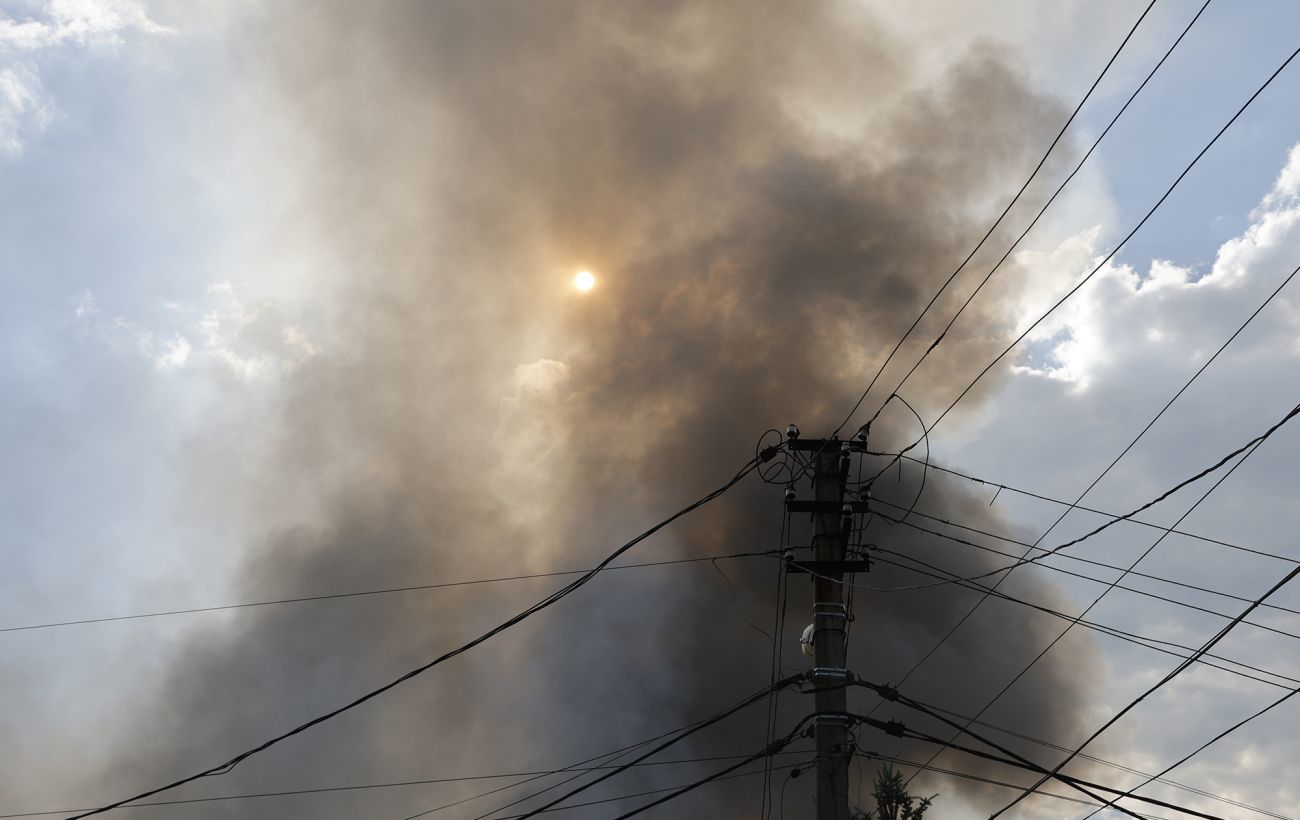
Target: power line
{"x": 781, "y": 684}
{"x": 1149, "y": 424}
{"x": 1241, "y": 328}
{"x": 1254, "y": 442}
{"x": 1115, "y": 584}
{"x": 1154, "y": 644}
{"x": 526, "y": 613}
{"x": 1122, "y": 242}
{"x": 939, "y": 339}
{"x": 897, "y": 729}
{"x": 386, "y": 785}
{"x": 1201, "y": 748}
{"x": 688, "y": 786}
{"x": 1010, "y": 205}
{"x": 1065, "y": 778}
{"x": 1222, "y": 633}
{"x": 1111, "y": 585}
{"x": 362, "y": 593}
{"x": 778, "y": 645}
{"x": 608, "y": 758}
{"x": 1011, "y": 758}
{"x": 948, "y": 577}
{"x": 1132, "y": 520}
{"x": 770, "y": 749}
{"x": 898, "y": 761}
{"x": 1068, "y": 556}
{"x": 1102, "y": 761}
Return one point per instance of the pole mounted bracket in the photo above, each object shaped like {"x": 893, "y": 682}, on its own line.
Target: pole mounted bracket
{"x": 832, "y": 672}
{"x": 845, "y": 720}
{"x": 827, "y": 567}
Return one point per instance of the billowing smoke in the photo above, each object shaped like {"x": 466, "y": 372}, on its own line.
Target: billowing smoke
{"x": 767, "y": 195}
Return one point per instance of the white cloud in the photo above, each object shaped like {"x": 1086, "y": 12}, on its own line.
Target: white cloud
{"x": 174, "y": 354}
{"x": 86, "y": 305}
{"x": 1287, "y": 187}
{"x": 1121, "y": 309}
{"x": 26, "y": 108}
{"x": 251, "y": 342}
{"x": 80, "y": 22}
{"x": 1096, "y": 374}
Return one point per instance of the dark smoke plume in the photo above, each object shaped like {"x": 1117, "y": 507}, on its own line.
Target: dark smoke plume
{"x": 768, "y": 194}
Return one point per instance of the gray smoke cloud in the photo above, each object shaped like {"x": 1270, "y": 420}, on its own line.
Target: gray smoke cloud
{"x": 768, "y": 196}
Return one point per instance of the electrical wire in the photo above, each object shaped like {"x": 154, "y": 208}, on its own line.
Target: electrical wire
{"x": 735, "y": 604}
{"x": 1069, "y": 779}
{"x": 1199, "y": 749}
{"x": 1009, "y": 757}
{"x": 781, "y": 472}
{"x": 1122, "y": 242}
{"x": 388, "y": 785}
{"x": 608, "y": 757}
{"x": 1220, "y": 635}
{"x": 1115, "y": 585}
{"x": 367, "y": 592}
{"x": 897, "y": 457}
{"x": 1154, "y": 644}
{"x": 943, "y": 334}
{"x": 1080, "y": 559}
{"x": 1133, "y": 590}
{"x": 546, "y": 602}
{"x": 1005, "y": 211}
{"x": 898, "y": 761}
{"x": 1260, "y": 439}
{"x": 1111, "y": 585}
{"x": 1094, "y": 510}
{"x": 778, "y": 629}
{"x": 1114, "y": 462}
{"x": 643, "y": 793}
{"x": 794, "y": 772}
{"x": 752, "y": 699}
{"x": 1104, "y": 762}
{"x": 622, "y": 797}
{"x": 767, "y": 751}
{"x": 898, "y": 729}
{"x": 1186, "y": 385}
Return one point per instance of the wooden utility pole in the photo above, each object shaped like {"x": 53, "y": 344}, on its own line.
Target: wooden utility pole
{"x": 832, "y": 521}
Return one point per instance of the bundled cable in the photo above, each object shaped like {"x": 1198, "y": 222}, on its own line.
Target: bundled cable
{"x": 546, "y": 602}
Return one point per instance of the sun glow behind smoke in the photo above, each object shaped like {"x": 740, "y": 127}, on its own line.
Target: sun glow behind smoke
{"x": 584, "y": 281}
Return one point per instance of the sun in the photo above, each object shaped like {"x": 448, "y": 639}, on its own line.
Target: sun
{"x": 584, "y": 281}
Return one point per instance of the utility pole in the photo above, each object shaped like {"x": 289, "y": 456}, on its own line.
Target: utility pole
{"x": 832, "y": 527}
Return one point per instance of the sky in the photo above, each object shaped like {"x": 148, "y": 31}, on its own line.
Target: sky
{"x": 287, "y": 311}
